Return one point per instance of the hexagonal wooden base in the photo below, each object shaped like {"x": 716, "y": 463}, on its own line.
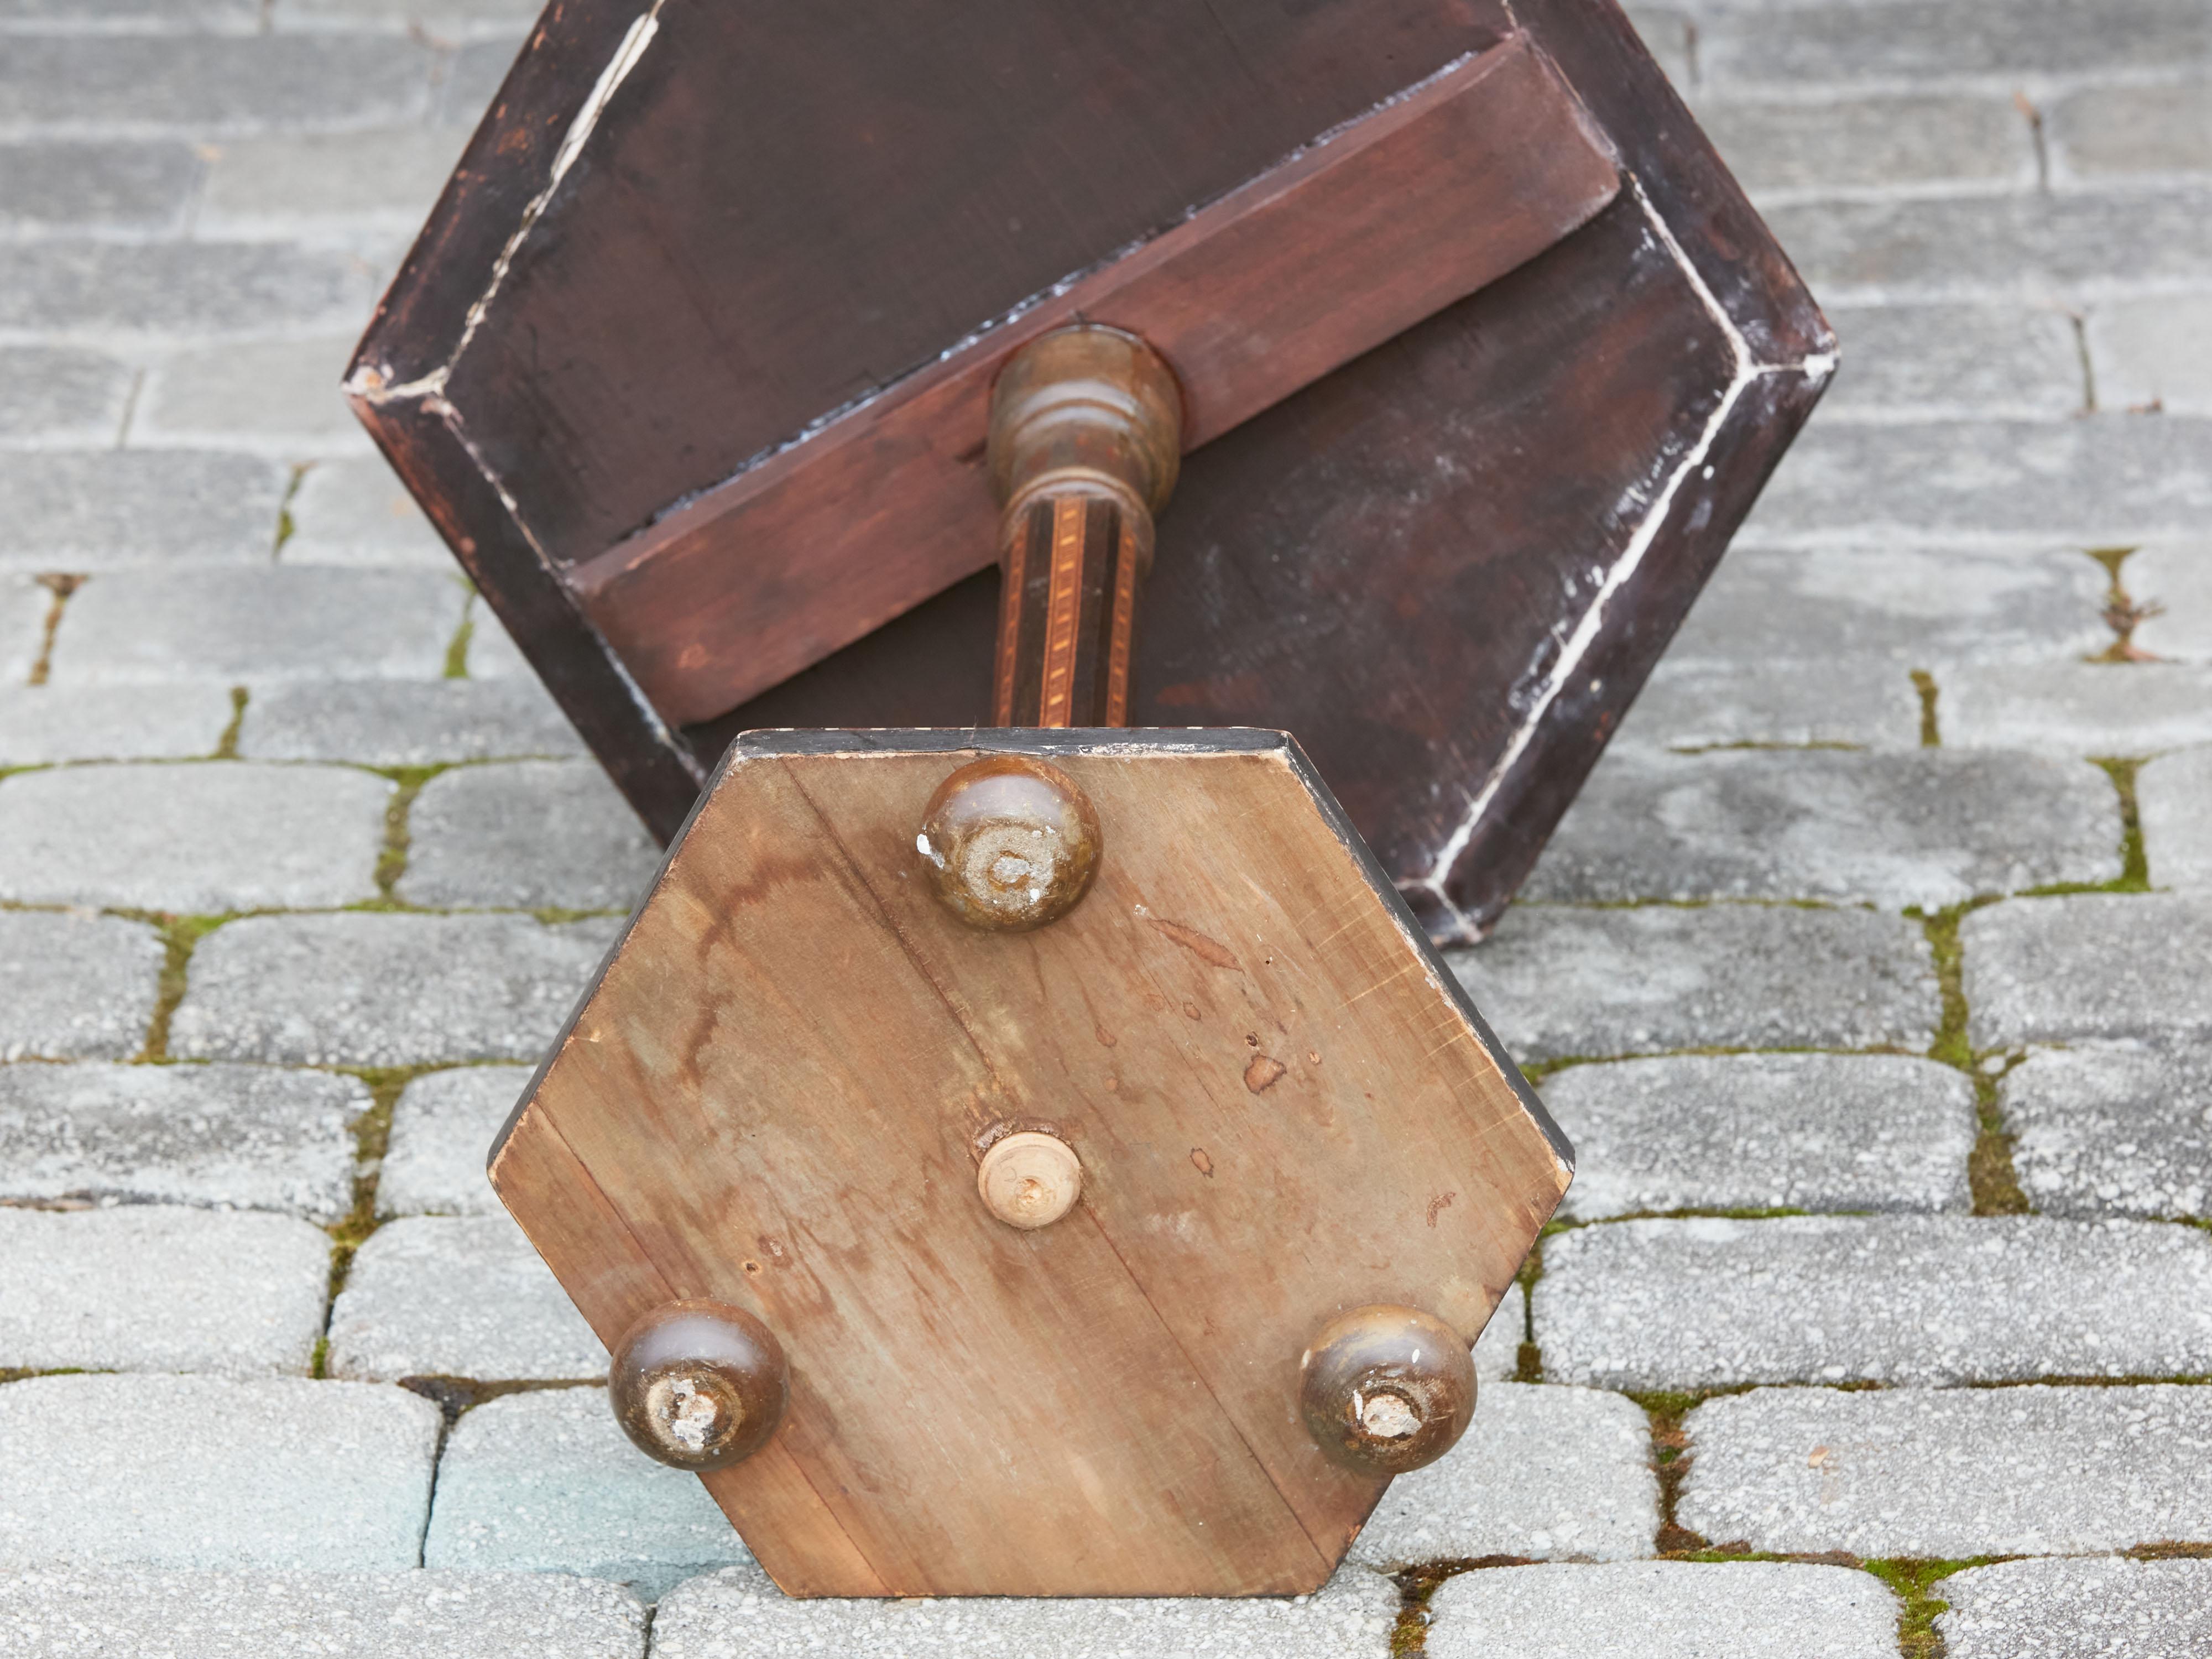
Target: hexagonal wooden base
{"x": 777, "y": 1093}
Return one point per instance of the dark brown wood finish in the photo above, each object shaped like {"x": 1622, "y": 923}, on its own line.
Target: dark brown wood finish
{"x": 1319, "y": 259}
{"x": 1448, "y": 565}
{"x": 790, "y": 208}
{"x": 779, "y": 1092}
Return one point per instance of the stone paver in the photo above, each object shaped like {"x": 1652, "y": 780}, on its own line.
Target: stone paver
{"x": 2120, "y": 1128}
{"x": 52, "y": 395}
{"x": 63, "y": 185}
{"x": 1555, "y": 983}
{"x": 2176, "y": 577}
{"x": 2078, "y": 708}
{"x": 1691, "y": 706}
{"x": 1630, "y": 1610}
{"x": 737, "y": 1614}
{"x": 405, "y": 722}
{"x": 1920, "y": 38}
{"x": 2097, "y": 484}
{"x": 1949, "y": 1473}
{"x": 76, "y": 986}
{"x": 191, "y": 839}
{"x": 1903, "y": 1299}
{"x": 207, "y": 84}
{"x": 458, "y": 1296}
{"x": 115, "y": 1472}
{"x": 2137, "y": 129}
{"x": 2079, "y": 1609}
{"x": 1902, "y": 606}
{"x": 2154, "y": 354}
{"x": 143, "y": 1612}
{"x": 168, "y": 290}
{"x": 1779, "y": 149}
{"x": 442, "y": 1129}
{"x": 1928, "y": 826}
{"x": 2173, "y": 797}
{"x": 111, "y": 509}
{"x": 2087, "y": 965}
{"x": 1956, "y": 361}
{"x": 2023, "y": 245}
{"x": 384, "y": 177}
{"x": 1810, "y": 1132}
{"x": 363, "y": 989}
{"x": 486, "y": 835}
{"x": 278, "y": 396}
{"x": 1544, "y": 1472}
{"x": 259, "y": 627}
{"x": 546, "y": 1481}
{"x": 39, "y": 724}
{"x": 245, "y": 1137}
{"x": 449, "y": 19}
{"x": 355, "y": 511}
{"x": 24, "y": 607}
{"x": 152, "y": 1288}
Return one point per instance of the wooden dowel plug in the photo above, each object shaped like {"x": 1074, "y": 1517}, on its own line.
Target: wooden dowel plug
{"x": 1029, "y": 1179}
{"x": 698, "y": 1385}
{"x": 1085, "y": 439}
{"x": 1385, "y": 1389}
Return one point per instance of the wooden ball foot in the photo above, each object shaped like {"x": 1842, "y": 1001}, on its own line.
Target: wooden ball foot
{"x": 1387, "y": 1390}
{"x": 698, "y": 1385}
{"x": 1010, "y": 842}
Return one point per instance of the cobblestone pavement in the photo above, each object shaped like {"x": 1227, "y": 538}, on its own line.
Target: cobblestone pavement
{"x": 1869, "y": 974}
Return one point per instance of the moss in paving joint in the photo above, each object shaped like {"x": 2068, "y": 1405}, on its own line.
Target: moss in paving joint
{"x": 2169, "y": 1551}
{"x": 552, "y": 916}
{"x": 286, "y": 524}
{"x": 226, "y": 746}
{"x": 2121, "y": 612}
{"x": 1989, "y": 1173}
{"x": 457, "y": 1396}
{"x": 2135, "y": 863}
{"x": 391, "y": 862}
{"x": 456, "y": 648}
{"x": 1528, "y": 1358}
{"x": 1931, "y": 734}
{"x": 371, "y": 1138}
{"x": 61, "y": 584}
{"x": 1912, "y": 1583}
{"x": 1670, "y": 1462}
{"x": 24, "y": 1373}
{"x": 1416, "y": 1584}
{"x": 180, "y": 937}
{"x": 2180, "y": 1380}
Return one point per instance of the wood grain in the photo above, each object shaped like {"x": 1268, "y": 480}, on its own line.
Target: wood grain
{"x": 1251, "y": 298}
{"x": 779, "y": 1089}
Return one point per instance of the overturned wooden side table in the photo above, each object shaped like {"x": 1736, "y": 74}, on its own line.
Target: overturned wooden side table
{"x": 1016, "y": 1148}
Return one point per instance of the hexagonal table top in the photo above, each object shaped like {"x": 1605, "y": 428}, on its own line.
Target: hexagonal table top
{"x": 778, "y": 1092}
